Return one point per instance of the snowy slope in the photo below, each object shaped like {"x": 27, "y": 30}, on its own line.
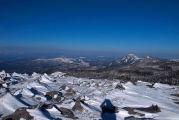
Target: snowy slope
{"x": 31, "y": 90}
{"x": 130, "y": 58}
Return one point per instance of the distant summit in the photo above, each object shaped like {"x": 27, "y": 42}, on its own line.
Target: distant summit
{"x": 133, "y": 59}
{"x": 62, "y": 63}
{"x": 129, "y": 58}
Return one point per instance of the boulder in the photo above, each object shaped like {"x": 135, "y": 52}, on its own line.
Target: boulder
{"x": 38, "y": 98}
{"x": 63, "y": 87}
{"x": 18, "y": 114}
{"x": 77, "y": 106}
{"x": 151, "y": 109}
{"x": 131, "y": 111}
{"x": 119, "y": 86}
{"x": 53, "y": 95}
{"x": 69, "y": 95}
{"x": 67, "y": 112}
{"x": 44, "y": 106}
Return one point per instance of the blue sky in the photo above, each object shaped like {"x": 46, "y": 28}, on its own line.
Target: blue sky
{"x": 141, "y": 27}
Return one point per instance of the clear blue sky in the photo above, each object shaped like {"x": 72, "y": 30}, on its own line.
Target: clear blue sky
{"x": 129, "y": 26}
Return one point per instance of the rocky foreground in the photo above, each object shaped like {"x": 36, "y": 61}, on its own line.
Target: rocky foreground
{"x": 59, "y": 97}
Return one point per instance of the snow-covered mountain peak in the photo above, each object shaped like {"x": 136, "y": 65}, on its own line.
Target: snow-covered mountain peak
{"x": 147, "y": 56}
{"x": 130, "y": 58}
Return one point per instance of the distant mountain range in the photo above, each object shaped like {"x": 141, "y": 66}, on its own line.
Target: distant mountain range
{"x": 132, "y": 59}
{"x": 75, "y": 64}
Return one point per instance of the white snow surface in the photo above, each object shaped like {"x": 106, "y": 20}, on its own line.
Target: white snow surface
{"x": 130, "y": 57}
{"x": 22, "y": 95}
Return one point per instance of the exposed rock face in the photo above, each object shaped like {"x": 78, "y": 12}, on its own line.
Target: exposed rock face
{"x": 151, "y": 86}
{"x": 176, "y": 103}
{"x": 119, "y": 86}
{"x": 70, "y": 93}
{"x": 177, "y": 95}
{"x": 109, "y": 109}
{"x": 77, "y": 106}
{"x": 151, "y": 109}
{"x": 66, "y": 112}
{"x": 58, "y": 99}
{"x": 70, "y": 90}
{"x": 44, "y": 106}
{"x": 50, "y": 106}
{"x": 131, "y": 111}
{"x": 63, "y": 87}
{"x": 53, "y": 95}
{"x": 38, "y": 98}
{"x": 18, "y": 114}
{"x": 96, "y": 85}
